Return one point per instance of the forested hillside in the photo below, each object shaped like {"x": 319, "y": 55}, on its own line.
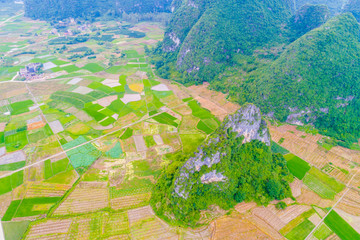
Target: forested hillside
{"x": 316, "y": 80}
{"x": 61, "y": 9}
{"x": 204, "y": 35}
{"x": 234, "y": 165}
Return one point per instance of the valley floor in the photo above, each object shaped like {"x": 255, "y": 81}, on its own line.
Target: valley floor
{"x": 81, "y": 145}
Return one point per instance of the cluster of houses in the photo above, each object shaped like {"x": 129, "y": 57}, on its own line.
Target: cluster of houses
{"x": 31, "y": 71}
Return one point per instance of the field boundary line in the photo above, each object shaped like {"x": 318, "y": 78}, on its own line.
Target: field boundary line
{"x": 82, "y": 144}
{"x": 348, "y": 187}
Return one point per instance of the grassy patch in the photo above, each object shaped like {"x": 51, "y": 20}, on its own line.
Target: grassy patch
{"x": 191, "y": 141}
{"x": 70, "y": 68}
{"x": 21, "y": 107}
{"x": 59, "y": 62}
{"x": 276, "y": 148}
{"x": 12, "y": 166}
{"x": 341, "y": 227}
{"x": 301, "y": 231}
{"x": 15, "y": 230}
{"x": 203, "y": 127}
{"x": 76, "y": 99}
{"x": 16, "y": 141}
{"x": 150, "y": 142}
{"x": 127, "y": 134}
{"x": 297, "y": 166}
{"x": 165, "y": 118}
{"x": 322, "y": 232}
{"x": 131, "y": 187}
{"x": 93, "y": 67}
{"x": 198, "y": 111}
{"x": 29, "y": 207}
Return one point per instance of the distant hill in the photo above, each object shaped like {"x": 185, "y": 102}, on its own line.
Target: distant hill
{"x": 203, "y": 35}
{"x": 61, "y": 9}
{"x": 315, "y": 80}
{"x": 335, "y": 6}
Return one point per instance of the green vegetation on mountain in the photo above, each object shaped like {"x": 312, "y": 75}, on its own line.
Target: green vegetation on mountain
{"x": 353, "y": 6}
{"x": 88, "y": 9}
{"x": 203, "y": 36}
{"x": 316, "y": 74}
{"x": 227, "y": 169}
{"x": 308, "y": 18}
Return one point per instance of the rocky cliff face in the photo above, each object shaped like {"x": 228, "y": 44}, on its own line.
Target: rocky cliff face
{"x": 246, "y": 123}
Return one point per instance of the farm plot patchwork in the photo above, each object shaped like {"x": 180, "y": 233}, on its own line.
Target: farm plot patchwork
{"x": 325, "y": 186}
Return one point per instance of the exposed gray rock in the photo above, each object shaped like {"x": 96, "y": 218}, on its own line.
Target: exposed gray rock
{"x": 246, "y": 122}
{"x": 212, "y": 176}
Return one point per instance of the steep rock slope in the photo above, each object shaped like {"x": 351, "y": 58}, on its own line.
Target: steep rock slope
{"x": 233, "y": 165}
{"x": 317, "y": 75}
{"x": 205, "y": 34}
{"x": 61, "y": 9}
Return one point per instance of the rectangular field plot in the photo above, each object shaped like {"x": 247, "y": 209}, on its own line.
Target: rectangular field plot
{"x": 21, "y": 107}
{"x": 301, "y": 231}
{"x": 128, "y": 202}
{"x": 322, "y": 232}
{"x": 15, "y": 230}
{"x": 322, "y": 184}
{"x": 115, "y": 224}
{"x": 341, "y": 227}
{"x": 297, "y": 166}
{"x": 29, "y": 207}
{"x": 131, "y": 187}
{"x": 50, "y": 229}
{"x": 7, "y": 184}
{"x": 83, "y": 155}
{"x": 16, "y": 141}
{"x": 43, "y": 189}
{"x": 83, "y": 200}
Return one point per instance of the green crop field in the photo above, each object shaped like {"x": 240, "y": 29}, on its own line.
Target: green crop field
{"x": 21, "y": 107}
{"x": 115, "y": 152}
{"x": 12, "y": 166}
{"x": 16, "y": 141}
{"x": 205, "y": 128}
{"x": 198, "y": 111}
{"x": 101, "y": 87}
{"x": 131, "y": 187}
{"x": 166, "y": 118}
{"x": 341, "y": 227}
{"x": 150, "y": 142}
{"x": 297, "y": 166}
{"x": 29, "y": 207}
{"x": 76, "y": 99}
{"x": 325, "y": 186}
{"x": 191, "y": 141}
{"x": 127, "y": 134}
{"x": 71, "y": 68}
{"x": 59, "y": 62}
{"x": 301, "y": 231}
{"x": 322, "y": 232}
{"x": 93, "y": 67}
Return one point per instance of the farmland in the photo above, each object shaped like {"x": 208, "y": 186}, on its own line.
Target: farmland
{"x": 81, "y": 147}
